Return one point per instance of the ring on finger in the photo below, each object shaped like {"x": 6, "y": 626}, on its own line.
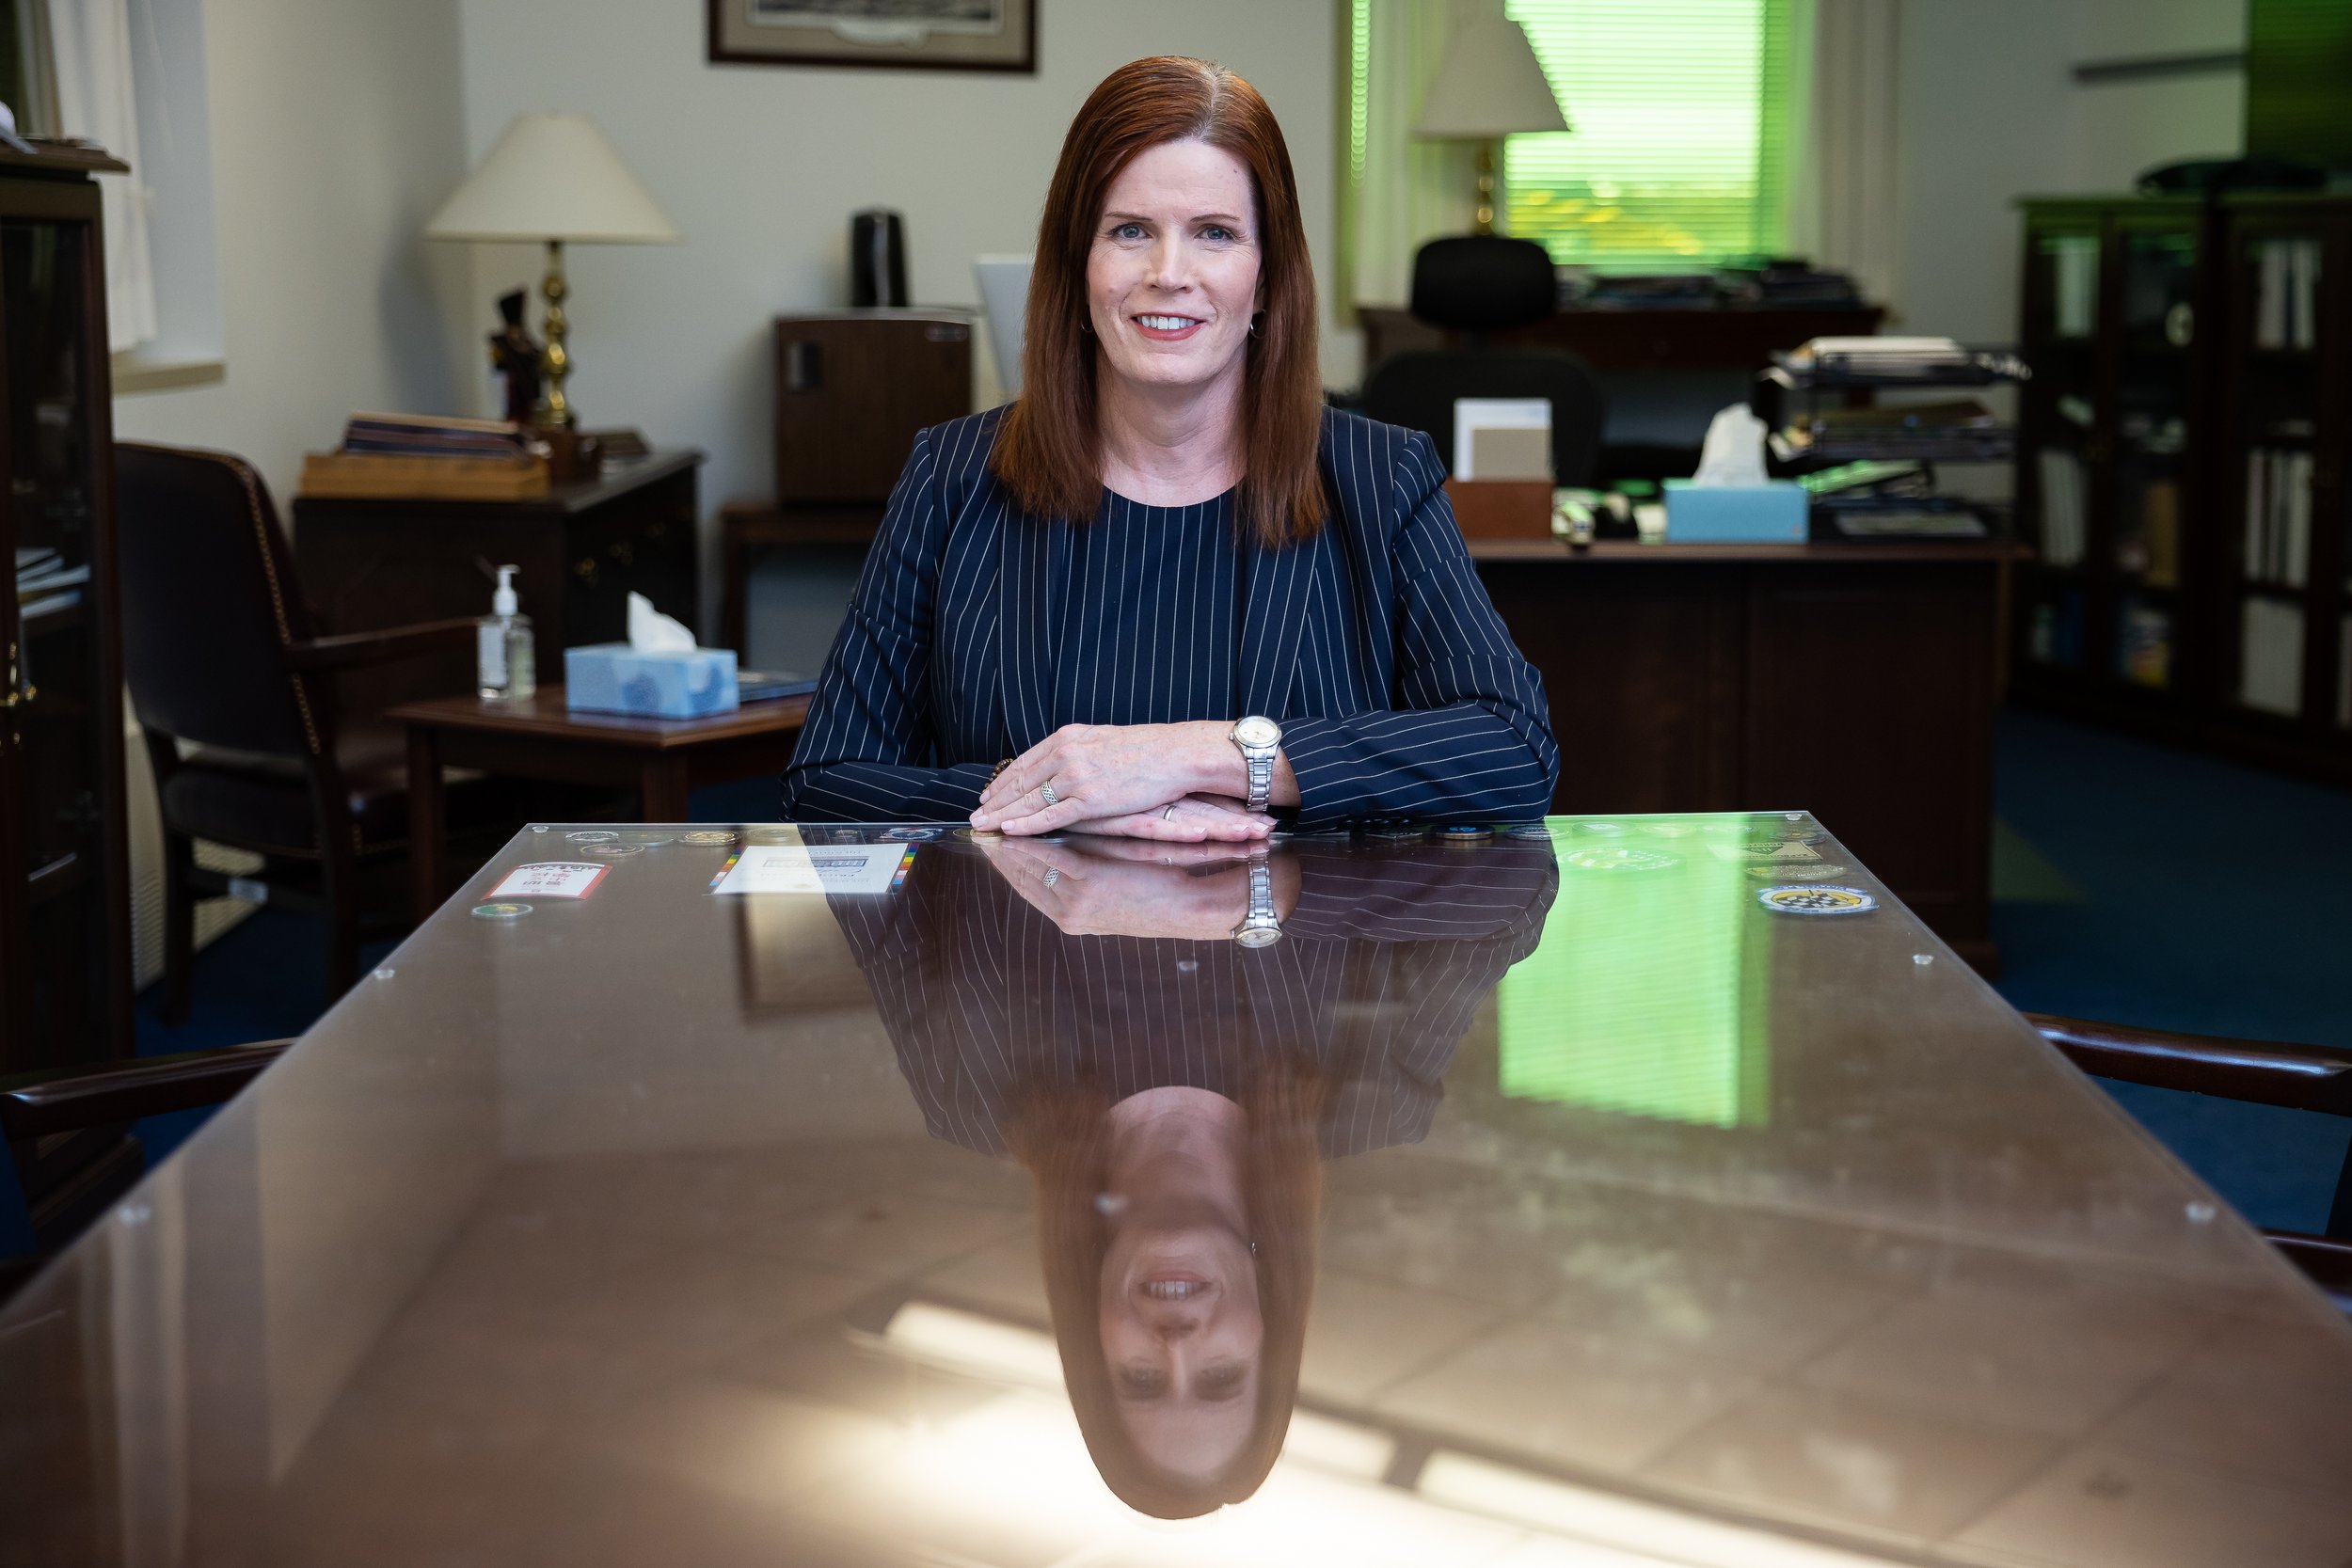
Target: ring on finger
{"x": 1047, "y": 791}
{"x": 1053, "y": 875}
{"x": 1168, "y": 813}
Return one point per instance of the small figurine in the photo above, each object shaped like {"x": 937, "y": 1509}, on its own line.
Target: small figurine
{"x": 514, "y": 356}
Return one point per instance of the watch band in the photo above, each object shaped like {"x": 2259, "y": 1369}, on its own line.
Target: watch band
{"x": 1262, "y": 925}
{"x": 1257, "y": 755}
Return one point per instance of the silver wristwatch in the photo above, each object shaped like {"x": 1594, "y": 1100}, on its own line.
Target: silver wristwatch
{"x": 1262, "y": 927}
{"x": 1259, "y": 738}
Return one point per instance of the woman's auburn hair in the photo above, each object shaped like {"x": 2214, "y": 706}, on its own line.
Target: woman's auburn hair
{"x": 1049, "y": 453}
{"x": 1061, "y": 1134}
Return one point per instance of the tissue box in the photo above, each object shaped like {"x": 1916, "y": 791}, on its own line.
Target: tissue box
{"x": 613, "y": 677}
{"x": 1773, "y": 513}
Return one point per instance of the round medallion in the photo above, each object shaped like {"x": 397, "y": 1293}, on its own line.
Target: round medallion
{"x": 707, "y": 837}
{"x": 501, "y": 911}
{"x": 611, "y": 851}
{"x": 592, "y": 835}
{"x": 1817, "y": 900}
{"x": 907, "y": 835}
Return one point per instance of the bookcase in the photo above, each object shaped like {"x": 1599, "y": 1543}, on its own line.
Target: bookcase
{"x": 65, "y": 948}
{"x": 2179, "y": 472}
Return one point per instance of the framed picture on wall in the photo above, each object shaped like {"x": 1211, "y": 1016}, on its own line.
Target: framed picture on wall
{"x": 940, "y": 35}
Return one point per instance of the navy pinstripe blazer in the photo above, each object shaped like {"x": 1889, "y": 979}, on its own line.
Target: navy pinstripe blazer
{"x": 1382, "y": 966}
{"x": 1374, "y": 644}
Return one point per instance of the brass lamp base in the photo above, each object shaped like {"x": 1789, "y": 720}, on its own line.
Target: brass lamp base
{"x": 1486, "y": 188}
{"x": 554, "y": 410}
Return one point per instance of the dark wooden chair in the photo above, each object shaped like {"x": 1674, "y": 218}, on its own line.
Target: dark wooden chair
{"x": 236, "y": 692}
{"x": 70, "y": 1150}
{"x": 1474, "y": 284}
{"x": 2264, "y": 1072}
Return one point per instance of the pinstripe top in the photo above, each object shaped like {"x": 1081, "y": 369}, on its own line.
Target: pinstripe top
{"x": 1383, "y": 962}
{"x": 976, "y": 630}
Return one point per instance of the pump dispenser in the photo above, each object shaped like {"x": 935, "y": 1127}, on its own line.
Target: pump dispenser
{"x": 505, "y": 655}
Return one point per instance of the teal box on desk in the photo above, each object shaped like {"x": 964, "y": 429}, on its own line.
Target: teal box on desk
{"x": 1773, "y": 513}
{"x": 613, "y": 677}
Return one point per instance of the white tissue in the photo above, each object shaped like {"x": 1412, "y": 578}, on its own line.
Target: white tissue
{"x": 652, "y": 632}
{"x": 1734, "y": 451}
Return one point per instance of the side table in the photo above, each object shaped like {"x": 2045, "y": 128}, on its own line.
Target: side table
{"x": 663, "y": 759}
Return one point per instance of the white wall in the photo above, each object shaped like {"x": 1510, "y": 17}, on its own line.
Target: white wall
{"x": 1988, "y": 111}
{"x": 760, "y": 167}
{"x": 335, "y": 130}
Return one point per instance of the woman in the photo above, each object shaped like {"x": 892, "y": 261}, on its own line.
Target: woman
{"x": 1166, "y": 594}
{"x": 1082, "y": 1005}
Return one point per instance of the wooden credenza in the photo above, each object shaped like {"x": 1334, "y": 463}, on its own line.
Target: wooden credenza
{"x": 583, "y": 548}
{"x": 1857, "y": 682}
{"x": 1734, "y": 337}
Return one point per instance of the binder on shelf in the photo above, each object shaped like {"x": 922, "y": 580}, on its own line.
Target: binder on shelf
{"x": 2064, "y": 537}
{"x": 2286, "y": 293}
{"x": 2270, "y": 656}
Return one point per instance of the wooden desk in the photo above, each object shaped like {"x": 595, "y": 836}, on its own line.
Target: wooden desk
{"x": 1737, "y": 338}
{"x": 582, "y": 548}
{"x": 1858, "y": 680}
{"x": 660, "y": 1228}
{"x": 663, "y": 759}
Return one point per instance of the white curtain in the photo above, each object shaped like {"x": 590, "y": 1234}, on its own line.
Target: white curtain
{"x": 91, "y": 40}
{"x": 1410, "y": 191}
{"x": 1841, "y": 208}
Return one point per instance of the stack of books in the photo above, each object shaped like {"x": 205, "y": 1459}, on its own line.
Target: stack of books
{"x": 2065, "y": 489}
{"x": 2278, "y": 517}
{"x": 1882, "y": 362}
{"x": 45, "y": 584}
{"x": 427, "y": 456}
{"x": 2286, "y": 298}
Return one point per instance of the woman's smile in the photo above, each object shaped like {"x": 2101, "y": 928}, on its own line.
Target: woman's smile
{"x": 1169, "y": 329}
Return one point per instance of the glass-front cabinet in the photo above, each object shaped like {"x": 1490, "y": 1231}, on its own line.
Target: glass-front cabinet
{"x": 65, "y": 984}
{"x": 2180, "y": 471}
{"x": 2283, "y": 560}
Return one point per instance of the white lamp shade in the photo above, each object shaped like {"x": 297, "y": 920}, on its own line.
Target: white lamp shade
{"x": 1490, "y": 84}
{"x": 552, "y": 177}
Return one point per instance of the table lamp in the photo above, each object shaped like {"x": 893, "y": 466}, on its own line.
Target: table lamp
{"x": 553, "y": 178}
{"x": 1490, "y": 85}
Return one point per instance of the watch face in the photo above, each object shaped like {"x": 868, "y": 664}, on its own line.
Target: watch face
{"x": 1258, "y": 936}
{"x": 1257, "y": 730}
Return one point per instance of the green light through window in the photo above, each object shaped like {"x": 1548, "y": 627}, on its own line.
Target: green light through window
{"x": 1680, "y": 114}
{"x": 1646, "y": 996}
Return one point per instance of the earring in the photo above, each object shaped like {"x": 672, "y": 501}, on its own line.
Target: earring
{"x": 1256, "y": 322}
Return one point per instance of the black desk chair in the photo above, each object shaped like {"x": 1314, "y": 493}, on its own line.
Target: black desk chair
{"x": 236, "y": 693}
{"x": 71, "y": 1152}
{"x": 1475, "y": 284}
{"x": 2264, "y": 1072}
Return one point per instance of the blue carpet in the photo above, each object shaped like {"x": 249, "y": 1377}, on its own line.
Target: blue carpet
{"x": 2216, "y": 899}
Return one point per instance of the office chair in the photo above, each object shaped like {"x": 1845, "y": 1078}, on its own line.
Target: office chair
{"x": 236, "y": 692}
{"x": 71, "y": 1152}
{"x": 1475, "y": 284}
{"x": 2261, "y": 1072}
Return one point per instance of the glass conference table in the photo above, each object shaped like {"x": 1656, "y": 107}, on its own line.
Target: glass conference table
{"x": 1643, "y": 1192}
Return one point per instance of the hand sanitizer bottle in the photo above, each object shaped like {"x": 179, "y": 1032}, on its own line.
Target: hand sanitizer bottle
{"x": 506, "y": 661}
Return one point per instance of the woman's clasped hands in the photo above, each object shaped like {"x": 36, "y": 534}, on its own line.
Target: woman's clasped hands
{"x": 1167, "y": 782}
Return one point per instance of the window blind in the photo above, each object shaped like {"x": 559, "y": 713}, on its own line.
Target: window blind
{"x": 1681, "y": 111}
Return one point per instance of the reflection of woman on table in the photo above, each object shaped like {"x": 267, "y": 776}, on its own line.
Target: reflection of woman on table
{"x": 1168, "y": 590}
{"x": 1084, "y": 1006}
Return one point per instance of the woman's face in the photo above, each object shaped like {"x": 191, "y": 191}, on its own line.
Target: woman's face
{"x": 1182, "y": 1334}
{"x": 1172, "y": 278}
